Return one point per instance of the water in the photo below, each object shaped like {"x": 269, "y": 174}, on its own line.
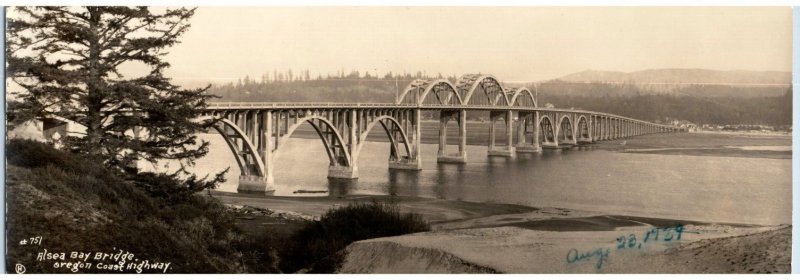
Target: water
{"x": 703, "y": 188}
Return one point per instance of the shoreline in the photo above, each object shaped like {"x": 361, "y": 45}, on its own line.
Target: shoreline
{"x": 477, "y": 237}
{"x": 457, "y": 214}
{"x": 504, "y": 238}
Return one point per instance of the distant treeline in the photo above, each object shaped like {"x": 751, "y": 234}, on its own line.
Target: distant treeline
{"x": 774, "y": 110}
{"x": 352, "y": 87}
{"x": 702, "y": 104}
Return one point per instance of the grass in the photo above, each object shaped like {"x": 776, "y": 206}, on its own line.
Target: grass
{"x": 77, "y": 204}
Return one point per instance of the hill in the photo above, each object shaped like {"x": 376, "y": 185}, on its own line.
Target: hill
{"x": 699, "y": 103}
{"x": 64, "y": 210}
{"x": 683, "y": 76}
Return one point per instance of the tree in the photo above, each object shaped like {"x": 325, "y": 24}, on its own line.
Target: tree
{"x": 66, "y": 60}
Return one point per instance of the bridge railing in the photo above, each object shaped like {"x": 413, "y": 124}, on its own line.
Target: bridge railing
{"x": 314, "y": 105}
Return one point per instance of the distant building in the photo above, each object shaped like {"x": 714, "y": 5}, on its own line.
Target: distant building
{"x": 55, "y": 129}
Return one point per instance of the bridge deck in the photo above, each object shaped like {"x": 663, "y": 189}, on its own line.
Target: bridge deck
{"x": 313, "y": 105}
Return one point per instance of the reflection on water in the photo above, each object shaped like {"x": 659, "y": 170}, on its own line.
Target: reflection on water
{"x": 719, "y": 189}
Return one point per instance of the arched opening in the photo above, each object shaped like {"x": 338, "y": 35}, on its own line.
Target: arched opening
{"x": 229, "y": 148}
{"x": 331, "y": 138}
{"x": 583, "y": 128}
{"x": 299, "y": 166}
{"x": 245, "y": 153}
{"x": 392, "y": 132}
{"x": 565, "y": 131}
{"x": 547, "y": 130}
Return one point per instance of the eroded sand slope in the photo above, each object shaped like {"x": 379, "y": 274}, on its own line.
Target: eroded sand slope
{"x": 713, "y": 249}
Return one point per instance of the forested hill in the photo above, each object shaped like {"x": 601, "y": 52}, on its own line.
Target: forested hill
{"x": 698, "y": 103}
{"x": 683, "y": 76}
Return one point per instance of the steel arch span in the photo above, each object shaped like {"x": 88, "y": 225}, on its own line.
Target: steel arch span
{"x": 494, "y": 93}
{"x": 419, "y": 92}
{"x": 521, "y": 97}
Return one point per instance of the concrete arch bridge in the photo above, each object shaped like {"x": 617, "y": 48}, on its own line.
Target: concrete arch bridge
{"x": 255, "y": 132}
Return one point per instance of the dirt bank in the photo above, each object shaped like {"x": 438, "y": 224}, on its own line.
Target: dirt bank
{"x": 433, "y": 210}
{"x": 469, "y": 237}
{"x": 518, "y": 250}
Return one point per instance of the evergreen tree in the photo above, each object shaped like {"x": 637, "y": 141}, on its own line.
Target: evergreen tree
{"x": 66, "y": 60}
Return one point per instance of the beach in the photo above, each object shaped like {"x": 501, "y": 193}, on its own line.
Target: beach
{"x": 469, "y": 237}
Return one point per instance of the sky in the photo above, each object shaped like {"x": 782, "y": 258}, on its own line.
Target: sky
{"x": 515, "y": 44}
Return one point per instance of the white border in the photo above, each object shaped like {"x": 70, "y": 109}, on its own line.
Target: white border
{"x": 784, "y": 3}
{"x": 795, "y": 141}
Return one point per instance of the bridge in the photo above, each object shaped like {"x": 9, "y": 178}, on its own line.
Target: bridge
{"x": 255, "y": 132}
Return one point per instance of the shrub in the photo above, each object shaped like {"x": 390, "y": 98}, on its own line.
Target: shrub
{"x": 171, "y": 188}
{"x": 32, "y": 154}
{"x": 316, "y": 245}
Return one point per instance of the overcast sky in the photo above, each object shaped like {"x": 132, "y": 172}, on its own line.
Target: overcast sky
{"x": 513, "y": 43}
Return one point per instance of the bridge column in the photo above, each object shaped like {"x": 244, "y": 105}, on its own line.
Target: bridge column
{"x": 604, "y": 128}
{"x": 599, "y": 128}
{"x": 537, "y": 131}
{"x": 625, "y": 129}
{"x": 510, "y": 131}
{"x": 444, "y": 117}
{"x": 614, "y": 129}
{"x": 524, "y": 119}
{"x": 631, "y": 129}
{"x": 610, "y": 128}
{"x": 349, "y": 171}
{"x": 266, "y": 183}
{"x": 414, "y": 161}
{"x": 492, "y": 118}
{"x": 508, "y": 150}
{"x": 461, "y": 156}
{"x": 576, "y": 135}
{"x": 462, "y": 134}
{"x": 580, "y": 138}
